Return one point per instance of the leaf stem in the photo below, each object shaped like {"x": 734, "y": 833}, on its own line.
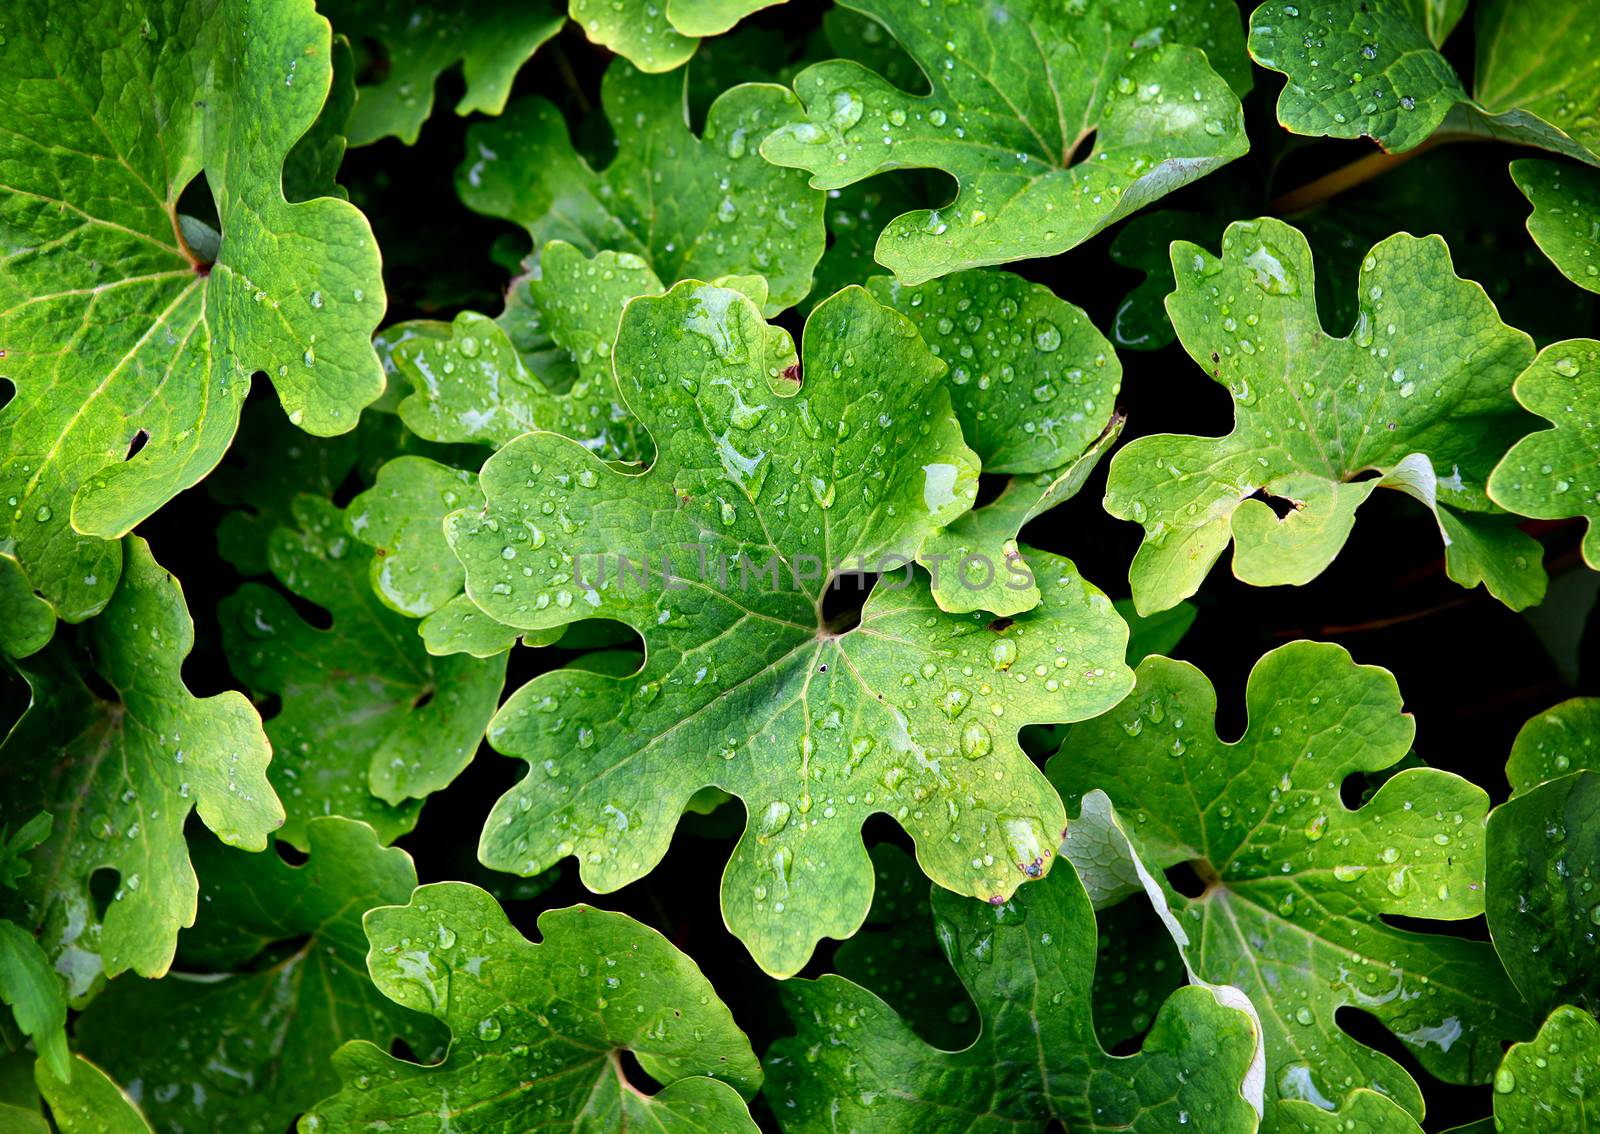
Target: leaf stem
{"x": 1358, "y": 172}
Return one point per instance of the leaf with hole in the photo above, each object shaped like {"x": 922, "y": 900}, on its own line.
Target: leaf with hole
{"x": 1051, "y": 124}
{"x": 130, "y": 329}
{"x": 116, "y": 745}
{"x": 1296, "y": 884}
{"x": 539, "y": 1029}
{"x": 764, "y": 486}
{"x": 275, "y": 979}
{"x": 1416, "y": 397}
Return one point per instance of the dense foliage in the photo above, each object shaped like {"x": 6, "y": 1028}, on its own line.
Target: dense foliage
{"x": 655, "y": 566}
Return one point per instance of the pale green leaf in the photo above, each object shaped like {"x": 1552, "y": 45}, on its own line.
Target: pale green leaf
{"x": 1551, "y": 474}
{"x": 123, "y": 775}
{"x": 539, "y": 1029}
{"x": 1296, "y": 882}
{"x": 777, "y": 483}
{"x": 1416, "y": 397}
{"x": 1055, "y": 121}
{"x": 116, "y": 331}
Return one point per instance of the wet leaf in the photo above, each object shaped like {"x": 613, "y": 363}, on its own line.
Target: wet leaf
{"x": 127, "y": 326}
{"x": 123, "y": 761}
{"x": 688, "y": 206}
{"x": 277, "y": 981}
{"x": 1051, "y": 125}
{"x": 1028, "y": 965}
{"x": 1544, "y": 860}
{"x": 1550, "y": 473}
{"x": 1034, "y": 385}
{"x": 1416, "y": 397}
{"x": 1566, "y": 217}
{"x": 1368, "y": 68}
{"x": 1551, "y": 1084}
{"x": 1296, "y": 882}
{"x": 539, "y": 1029}
{"x": 369, "y": 723}
{"x": 416, "y": 41}
{"x": 774, "y": 484}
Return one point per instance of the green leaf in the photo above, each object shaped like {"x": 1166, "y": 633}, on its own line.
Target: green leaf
{"x": 1552, "y": 1083}
{"x": 123, "y": 768}
{"x": 1158, "y": 633}
{"x": 115, "y": 332}
{"x": 658, "y": 37}
{"x": 1541, "y": 902}
{"x": 271, "y": 464}
{"x": 1368, "y": 68}
{"x": 402, "y": 517}
{"x": 539, "y": 1029}
{"x": 1563, "y": 739}
{"x": 896, "y": 957}
{"x": 36, "y": 995}
{"x": 470, "y": 384}
{"x": 1034, "y": 385}
{"x": 1565, "y": 222}
{"x": 90, "y": 1102}
{"x": 370, "y": 723}
{"x": 705, "y": 206}
{"x": 417, "y": 42}
{"x": 14, "y": 847}
{"x": 413, "y": 570}
{"x": 1028, "y": 965}
{"x": 1363, "y": 1109}
{"x": 285, "y": 985}
{"x": 1295, "y": 881}
{"x": 1143, "y": 245}
{"x": 747, "y": 686}
{"x": 1416, "y": 393}
{"x": 1013, "y": 108}
{"x": 1549, "y": 474}
{"x": 1487, "y": 244}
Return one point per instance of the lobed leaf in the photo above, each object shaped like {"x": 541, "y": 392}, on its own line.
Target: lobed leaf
{"x": 538, "y": 1030}
{"x": 369, "y": 722}
{"x": 1295, "y": 883}
{"x": 130, "y": 331}
{"x": 772, "y": 484}
{"x": 1055, "y": 121}
{"x": 1028, "y": 966}
{"x": 1417, "y": 388}
{"x": 242, "y": 1042}
{"x": 122, "y": 751}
